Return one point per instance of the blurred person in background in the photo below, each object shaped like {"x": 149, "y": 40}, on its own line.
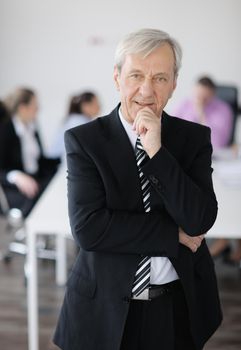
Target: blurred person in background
{"x": 204, "y": 107}
{"x": 4, "y": 115}
{"x": 24, "y": 170}
{"x": 82, "y": 109}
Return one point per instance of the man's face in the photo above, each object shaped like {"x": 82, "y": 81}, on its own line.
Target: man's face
{"x": 146, "y": 82}
{"x": 202, "y": 94}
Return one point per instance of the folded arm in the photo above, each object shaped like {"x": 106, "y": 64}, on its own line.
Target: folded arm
{"x": 187, "y": 195}
{"x": 96, "y": 227}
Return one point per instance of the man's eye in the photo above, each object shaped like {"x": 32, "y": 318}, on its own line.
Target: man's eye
{"x": 136, "y": 76}
{"x": 161, "y": 79}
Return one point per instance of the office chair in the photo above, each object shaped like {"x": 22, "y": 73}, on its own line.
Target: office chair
{"x": 15, "y": 227}
{"x": 229, "y": 94}
{"x": 13, "y": 223}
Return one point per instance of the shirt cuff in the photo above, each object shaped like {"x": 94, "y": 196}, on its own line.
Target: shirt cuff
{"x": 11, "y": 176}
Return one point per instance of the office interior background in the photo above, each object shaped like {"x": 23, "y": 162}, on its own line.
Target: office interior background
{"x": 60, "y": 48}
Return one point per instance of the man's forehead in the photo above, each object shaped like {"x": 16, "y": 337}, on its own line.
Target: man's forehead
{"x": 156, "y": 63}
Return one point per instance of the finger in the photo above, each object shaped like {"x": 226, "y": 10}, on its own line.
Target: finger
{"x": 141, "y": 127}
{"x": 198, "y": 243}
{"x": 146, "y": 113}
{"x": 194, "y": 248}
{"x": 143, "y": 124}
{"x": 140, "y": 115}
{"x": 200, "y": 239}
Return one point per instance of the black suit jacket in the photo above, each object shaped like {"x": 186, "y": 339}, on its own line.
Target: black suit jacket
{"x": 109, "y": 224}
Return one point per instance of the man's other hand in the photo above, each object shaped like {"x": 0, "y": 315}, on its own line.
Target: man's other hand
{"x": 193, "y": 243}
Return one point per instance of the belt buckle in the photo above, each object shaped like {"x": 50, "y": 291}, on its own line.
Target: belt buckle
{"x": 143, "y": 296}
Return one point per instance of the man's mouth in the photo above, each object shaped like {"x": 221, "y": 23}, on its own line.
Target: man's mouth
{"x": 144, "y": 104}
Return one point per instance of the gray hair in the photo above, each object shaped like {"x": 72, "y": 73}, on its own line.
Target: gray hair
{"x": 145, "y": 41}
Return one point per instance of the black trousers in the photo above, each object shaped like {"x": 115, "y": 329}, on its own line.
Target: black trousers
{"x": 159, "y": 324}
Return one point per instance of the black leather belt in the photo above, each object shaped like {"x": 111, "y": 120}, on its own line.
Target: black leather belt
{"x": 158, "y": 290}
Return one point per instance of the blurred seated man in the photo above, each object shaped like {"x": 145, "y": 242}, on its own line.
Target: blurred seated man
{"x": 24, "y": 170}
{"x": 205, "y": 108}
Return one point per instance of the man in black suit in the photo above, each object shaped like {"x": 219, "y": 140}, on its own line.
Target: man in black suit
{"x": 140, "y": 201}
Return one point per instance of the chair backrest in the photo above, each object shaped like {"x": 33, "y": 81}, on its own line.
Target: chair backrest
{"x": 229, "y": 94}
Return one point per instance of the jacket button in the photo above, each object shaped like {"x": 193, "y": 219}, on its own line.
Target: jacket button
{"x": 153, "y": 179}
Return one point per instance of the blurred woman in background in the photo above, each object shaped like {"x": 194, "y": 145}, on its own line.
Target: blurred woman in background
{"x": 24, "y": 170}
{"x": 82, "y": 109}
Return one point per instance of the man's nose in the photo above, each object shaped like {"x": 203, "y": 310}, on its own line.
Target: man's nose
{"x": 146, "y": 88}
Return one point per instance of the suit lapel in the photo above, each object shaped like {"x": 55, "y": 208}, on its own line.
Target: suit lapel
{"x": 173, "y": 138}
{"x": 119, "y": 151}
{"x": 121, "y": 157}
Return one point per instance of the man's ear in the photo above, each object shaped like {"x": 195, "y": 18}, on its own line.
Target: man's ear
{"x": 116, "y": 78}
{"x": 175, "y": 84}
{"x": 173, "y": 88}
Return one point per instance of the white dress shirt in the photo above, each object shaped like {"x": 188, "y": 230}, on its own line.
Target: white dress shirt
{"x": 162, "y": 270}
{"x": 29, "y": 145}
{"x": 30, "y": 148}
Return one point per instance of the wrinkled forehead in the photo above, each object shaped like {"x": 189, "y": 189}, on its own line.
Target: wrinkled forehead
{"x": 160, "y": 60}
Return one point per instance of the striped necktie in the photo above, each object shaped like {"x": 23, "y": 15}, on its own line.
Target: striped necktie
{"x": 142, "y": 276}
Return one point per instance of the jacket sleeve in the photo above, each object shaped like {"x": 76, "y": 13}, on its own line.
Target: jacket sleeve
{"x": 188, "y": 196}
{"x": 97, "y": 228}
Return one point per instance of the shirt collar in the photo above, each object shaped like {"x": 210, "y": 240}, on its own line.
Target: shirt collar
{"x": 21, "y": 128}
{"x": 128, "y": 128}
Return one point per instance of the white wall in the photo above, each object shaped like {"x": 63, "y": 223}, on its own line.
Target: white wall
{"x": 60, "y": 47}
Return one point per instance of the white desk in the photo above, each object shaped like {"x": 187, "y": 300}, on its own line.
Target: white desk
{"x": 227, "y": 185}
{"x": 49, "y": 216}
